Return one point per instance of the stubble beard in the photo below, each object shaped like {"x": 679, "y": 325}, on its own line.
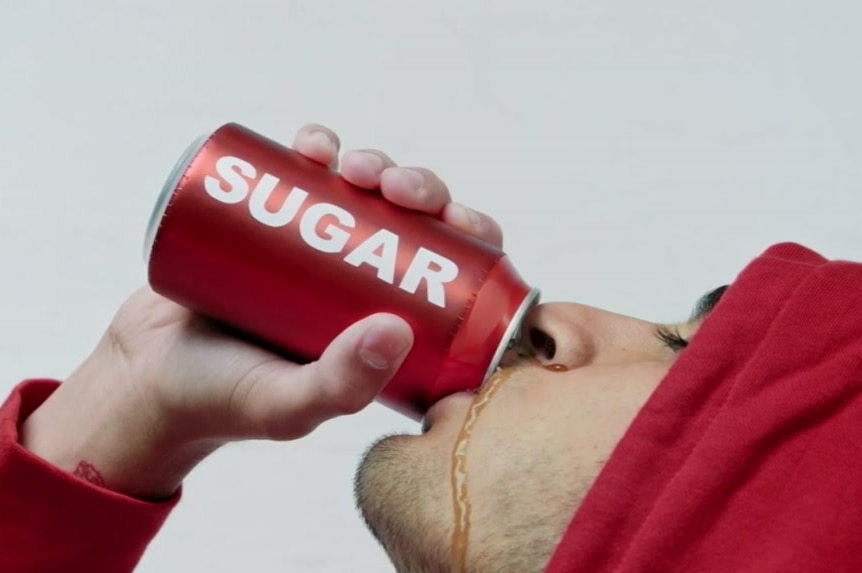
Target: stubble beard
{"x": 399, "y": 497}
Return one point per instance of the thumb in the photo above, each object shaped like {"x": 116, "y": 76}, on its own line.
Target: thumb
{"x": 347, "y": 377}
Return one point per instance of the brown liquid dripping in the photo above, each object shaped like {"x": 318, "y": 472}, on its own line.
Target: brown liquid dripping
{"x": 460, "y": 494}
{"x": 458, "y": 475}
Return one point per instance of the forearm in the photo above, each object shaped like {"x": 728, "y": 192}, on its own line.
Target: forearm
{"x": 99, "y": 427}
{"x": 51, "y": 520}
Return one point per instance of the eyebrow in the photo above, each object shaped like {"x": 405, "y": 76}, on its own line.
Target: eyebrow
{"x": 706, "y": 303}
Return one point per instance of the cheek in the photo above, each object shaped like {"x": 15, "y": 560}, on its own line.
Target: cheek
{"x": 541, "y": 444}
{"x": 559, "y": 412}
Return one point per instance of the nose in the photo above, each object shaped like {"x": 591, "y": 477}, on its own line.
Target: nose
{"x": 576, "y": 335}
{"x": 554, "y": 336}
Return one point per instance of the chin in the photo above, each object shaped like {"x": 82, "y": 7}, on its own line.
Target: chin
{"x": 401, "y": 491}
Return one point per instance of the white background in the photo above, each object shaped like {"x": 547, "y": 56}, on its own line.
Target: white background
{"x": 637, "y": 154}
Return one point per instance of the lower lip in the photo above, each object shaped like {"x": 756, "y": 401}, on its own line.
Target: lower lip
{"x": 435, "y": 411}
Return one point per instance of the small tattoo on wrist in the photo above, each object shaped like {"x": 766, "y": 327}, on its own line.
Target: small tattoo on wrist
{"x": 88, "y": 472}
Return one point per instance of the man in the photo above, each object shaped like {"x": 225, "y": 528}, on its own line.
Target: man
{"x": 728, "y": 443}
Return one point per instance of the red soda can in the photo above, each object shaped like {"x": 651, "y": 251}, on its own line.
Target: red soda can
{"x": 254, "y": 235}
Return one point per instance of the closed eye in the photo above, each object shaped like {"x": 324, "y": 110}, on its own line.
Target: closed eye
{"x": 671, "y": 337}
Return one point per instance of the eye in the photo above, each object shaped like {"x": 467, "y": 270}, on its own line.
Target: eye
{"x": 671, "y": 338}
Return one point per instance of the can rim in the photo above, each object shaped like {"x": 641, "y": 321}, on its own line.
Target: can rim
{"x": 510, "y": 336}
{"x": 167, "y": 192}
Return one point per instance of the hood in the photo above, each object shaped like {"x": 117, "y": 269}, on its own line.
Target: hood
{"x": 748, "y": 455}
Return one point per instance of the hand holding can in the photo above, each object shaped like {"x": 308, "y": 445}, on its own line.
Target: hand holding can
{"x": 165, "y": 387}
{"x": 287, "y": 252}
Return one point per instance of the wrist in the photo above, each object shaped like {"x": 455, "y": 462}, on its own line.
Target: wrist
{"x": 100, "y": 427}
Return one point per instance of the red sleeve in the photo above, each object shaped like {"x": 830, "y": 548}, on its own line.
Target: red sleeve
{"x": 52, "y": 521}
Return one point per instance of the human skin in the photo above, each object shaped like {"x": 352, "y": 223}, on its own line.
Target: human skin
{"x": 164, "y": 388}
{"x": 535, "y": 450}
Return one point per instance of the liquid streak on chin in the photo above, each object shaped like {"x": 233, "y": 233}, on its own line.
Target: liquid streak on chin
{"x": 460, "y": 494}
{"x": 461, "y": 505}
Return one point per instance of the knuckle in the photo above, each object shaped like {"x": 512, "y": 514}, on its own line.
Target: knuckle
{"x": 347, "y": 399}
{"x": 292, "y": 428}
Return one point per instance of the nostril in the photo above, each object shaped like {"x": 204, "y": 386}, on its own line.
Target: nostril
{"x": 542, "y": 343}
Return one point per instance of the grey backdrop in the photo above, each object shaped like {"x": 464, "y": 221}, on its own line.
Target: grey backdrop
{"x": 637, "y": 154}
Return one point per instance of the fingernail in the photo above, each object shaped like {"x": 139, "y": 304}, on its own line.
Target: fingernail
{"x": 468, "y": 216}
{"x": 373, "y": 161}
{"x": 412, "y": 179}
{"x": 381, "y": 349}
{"x": 322, "y": 141}
{"x": 474, "y": 218}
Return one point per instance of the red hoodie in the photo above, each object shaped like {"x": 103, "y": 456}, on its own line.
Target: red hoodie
{"x": 746, "y": 458}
